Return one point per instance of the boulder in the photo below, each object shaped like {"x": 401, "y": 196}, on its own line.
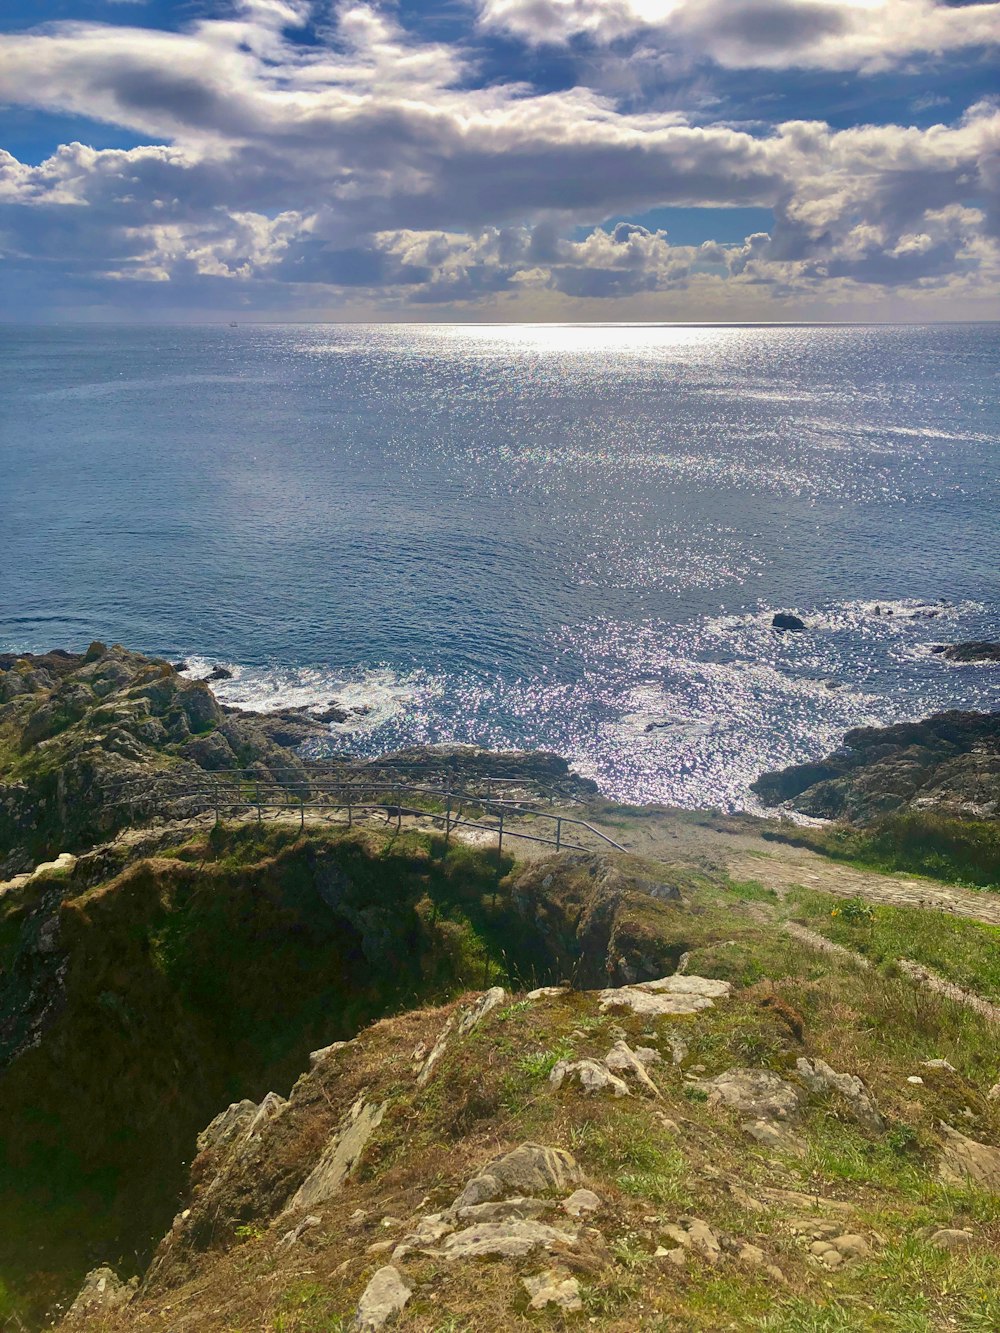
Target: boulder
{"x": 382, "y": 1300}
{"x": 675, "y": 994}
{"x": 979, "y": 650}
{"x": 965, "y": 1161}
{"x": 593, "y": 1076}
{"x": 512, "y": 1239}
{"x": 784, "y": 620}
{"x": 527, "y": 1170}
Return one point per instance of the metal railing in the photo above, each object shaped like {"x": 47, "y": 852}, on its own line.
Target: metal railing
{"x": 242, "y": 795}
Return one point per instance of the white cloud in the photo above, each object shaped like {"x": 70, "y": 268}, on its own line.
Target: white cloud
{"x": 865, "y": 35}
{"x": 373, "y": 162}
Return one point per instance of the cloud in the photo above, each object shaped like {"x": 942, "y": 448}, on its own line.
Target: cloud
{"x": 865, "y": 35}
{"x": 375, "y": 164}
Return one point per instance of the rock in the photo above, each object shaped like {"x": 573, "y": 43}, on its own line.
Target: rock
{"x": 291, "y": 1237}
{"x": 834, "y": 1251}
{"x": 325, "y": 1053}
{"x": 340, "y": 1156}
{"x": 544, "y": 992}
{"x": 501, "y": 1210}
{"x": 507, "y": 1240}
{"x": 965, "y": 1161}
{"x": 916, "y": 1080}
{"x": 622, "y": 1060}
{"x": 949, "y": 763}
{"x": 553, "y": 1288}
{"x": 581, "y": 1203}
{"x": 332, "y": 713}
{"x": 952, "y": 1238}
{"x": 938, "y": 1064}
{"x": 227, "y": 1126}
{"x": 464, "y": 1020}
{"x": 994, "y": 1093}
{"x": 64, "y": 864}
{"x": 759, "y": 1093}
{"x": 669, "y": 995}
{"x": 428, "y": 1232}
{"x": 382, "y": 1300}
{"x": 818, "y": 1077}
{"x": 783, "y": 620}
{"x": 102, "y": 1293}
{"x": 777, "y": 1136}
{"x": 592, "y": 1075}
{"x": 217, "y": 673}
{"x": 691, "y": 1233}
{"x": 478, "y": 1011}
{"x": 528, "y": 1170}
{"x": 973, "y": 651}
{"x": 677, "y": 1257}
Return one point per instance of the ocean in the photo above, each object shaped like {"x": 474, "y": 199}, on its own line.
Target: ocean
{"x": 565, "y": 537}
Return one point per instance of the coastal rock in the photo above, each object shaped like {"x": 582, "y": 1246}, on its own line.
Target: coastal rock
{"x": 973, "y": 651}
{"x": 949, "y": 763}
{"x": 784, "y": 620}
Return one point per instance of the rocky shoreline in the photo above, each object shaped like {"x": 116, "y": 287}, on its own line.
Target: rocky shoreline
{"x": 949, "y": 764}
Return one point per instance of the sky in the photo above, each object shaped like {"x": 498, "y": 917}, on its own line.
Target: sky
{"x": 676, "y": 160}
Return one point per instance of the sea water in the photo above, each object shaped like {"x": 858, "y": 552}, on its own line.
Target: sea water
{"x": 570, "y": 537}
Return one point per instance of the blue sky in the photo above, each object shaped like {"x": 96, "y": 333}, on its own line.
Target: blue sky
{"x": 499, "y": 159}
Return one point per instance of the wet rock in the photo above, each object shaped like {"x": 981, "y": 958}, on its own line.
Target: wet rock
{"x": 382, "y": 1300}
{"x": 973, "y": 651}
{"x": 949, "y": 762}
{"x": 217, "y": 673}
{"x": 784, "y": 620}
{"x": 555, "y": 1287}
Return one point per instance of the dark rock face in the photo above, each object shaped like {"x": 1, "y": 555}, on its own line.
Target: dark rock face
{"x": 974, "y": 651}
{"x": 596, "y": 925}
{"x": 783, "y": 620}
{"x": 949, "y": 763}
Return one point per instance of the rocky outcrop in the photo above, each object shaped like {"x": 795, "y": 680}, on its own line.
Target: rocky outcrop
{"x": 974, "y": 651}
{"x": 949, "y": 763}
{"x": 98, "y": 740}
{"x": 597, "y": 925}
{"x": 102, "y": 1293}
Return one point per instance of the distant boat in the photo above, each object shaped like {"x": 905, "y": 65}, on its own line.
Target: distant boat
{"x": 233, "y": 324}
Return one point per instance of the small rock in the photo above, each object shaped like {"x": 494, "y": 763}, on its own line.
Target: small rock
{"x": 677, "y": 1256}
{"x": 994, "y": 1093}
{"x": 916, "y": 1080}
{"x": 529, "y": 1169}
{"x": 784, "y": 620}
{"x": 290, "y": 1237}
{"x": 965, "y": 1160}
{"x": 593, "y": 1076}
{"x": 553, "y": 1288}
{"x": 382, "y": 1300}
{"x": 952, "y": 1238}
{"x": 543, "y": 992}
{"x": 581, "y": 1203}
{"x": 751, "y": 1254}
{"x": 938, "y": 1064}
{"x": 623, "y": 1060}
{"x": 819, "y": 1077}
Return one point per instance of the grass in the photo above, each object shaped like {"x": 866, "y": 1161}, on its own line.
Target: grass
{"x": 965, "y": 952}
{"x": 958, "y": 851}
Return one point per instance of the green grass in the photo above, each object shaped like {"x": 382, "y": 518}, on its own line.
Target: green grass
{"x": 958, "y": 851}
{"x": 965, "y": 952}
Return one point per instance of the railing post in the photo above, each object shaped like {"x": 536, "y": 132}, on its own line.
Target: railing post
{"x": 302, "y": 812}
{"x": 447, "y": 820}
{"x": 350, "y": 816}
{"x": 260, "y": 813}
{"x": 500, "y": 839}
{"x": 558, "y": 833}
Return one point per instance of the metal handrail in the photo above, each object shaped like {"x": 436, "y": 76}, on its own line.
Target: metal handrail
{"x": 216, "y": 796}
